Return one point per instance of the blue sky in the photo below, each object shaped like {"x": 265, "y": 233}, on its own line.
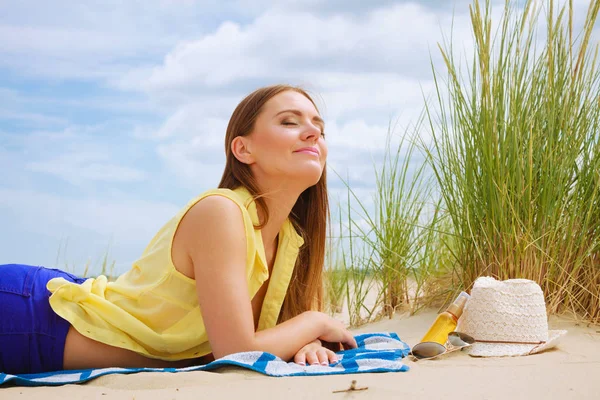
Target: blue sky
{"x": 113, "y": 113}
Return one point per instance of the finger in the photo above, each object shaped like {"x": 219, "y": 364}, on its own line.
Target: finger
{"x": 322, "y": 356}
{"x": 350, "y": 342}
{"x": 332, "y": 357}
{"x": 311, "y": 358}
{"x": 300, "y": 358}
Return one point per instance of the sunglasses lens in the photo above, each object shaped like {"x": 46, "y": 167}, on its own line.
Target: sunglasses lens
{"x": 460, "y": 339}
{"x": 425, "y": 350}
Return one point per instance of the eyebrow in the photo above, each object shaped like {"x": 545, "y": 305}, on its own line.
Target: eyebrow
{"x": 316, "y": 118}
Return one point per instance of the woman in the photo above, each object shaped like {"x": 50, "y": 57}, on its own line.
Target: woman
{"x": 237, "y": 269}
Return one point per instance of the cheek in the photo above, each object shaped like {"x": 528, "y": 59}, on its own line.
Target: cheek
{"x": 272, "y": 150}
{"x": 324, "y": 152}
{"x": 276, "y": 139}
{"x": 267, "y": 144}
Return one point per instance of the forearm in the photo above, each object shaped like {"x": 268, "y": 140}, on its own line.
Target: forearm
{"x": 284, "y": 340}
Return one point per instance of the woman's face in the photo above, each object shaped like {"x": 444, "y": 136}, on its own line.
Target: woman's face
{"x": 287, "y": 141}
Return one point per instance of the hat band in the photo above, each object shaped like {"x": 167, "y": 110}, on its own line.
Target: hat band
{"x": 501, "y": 342}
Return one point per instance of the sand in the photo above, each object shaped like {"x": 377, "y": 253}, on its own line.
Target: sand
{"x": 570, "y": 371}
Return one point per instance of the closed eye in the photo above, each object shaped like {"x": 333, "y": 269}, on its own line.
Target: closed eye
{"x": 288, "y": 123}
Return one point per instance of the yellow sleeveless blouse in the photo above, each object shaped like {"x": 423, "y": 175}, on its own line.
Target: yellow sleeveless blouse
{"x": 153, "y": 309}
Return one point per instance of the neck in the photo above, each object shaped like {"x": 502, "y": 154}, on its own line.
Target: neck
{"x": 280, "y": 199}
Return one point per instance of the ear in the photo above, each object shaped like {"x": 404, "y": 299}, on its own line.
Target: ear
{"x": 241, "y": 150}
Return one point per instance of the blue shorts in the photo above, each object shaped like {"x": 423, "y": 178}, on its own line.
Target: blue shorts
{"x": 32, "y": 335}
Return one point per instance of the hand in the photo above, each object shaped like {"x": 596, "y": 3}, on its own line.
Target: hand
{"x": 315, "y": 354}
{"x": 333, "y": 346}
{"x": 335, "y": 331}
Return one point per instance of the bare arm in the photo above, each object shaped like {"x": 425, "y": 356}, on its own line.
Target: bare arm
{"x": 213, "y": 235}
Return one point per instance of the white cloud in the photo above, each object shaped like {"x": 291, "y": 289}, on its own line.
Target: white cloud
{"x": 80, "y": 155}
{"x": 77, "y": 168}
{"x": 193, "y": 120}
{"x": 356, "y": 134}
{"x": 385, "y": 96}
{"x": 93, "y": 40}
{"x": 61, "y": 53}
{"x": 193, "y": 163}
{"x": 393, "y": 40}
{"x": 191, "y": 145}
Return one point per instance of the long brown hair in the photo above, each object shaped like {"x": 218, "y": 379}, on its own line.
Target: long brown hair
{"x": 309, "y": 215}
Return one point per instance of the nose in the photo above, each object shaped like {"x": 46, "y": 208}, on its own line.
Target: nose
{"x": 312, "y": 132}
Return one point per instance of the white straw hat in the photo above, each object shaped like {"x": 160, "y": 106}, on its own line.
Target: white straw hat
{"x": 507, "y": 318}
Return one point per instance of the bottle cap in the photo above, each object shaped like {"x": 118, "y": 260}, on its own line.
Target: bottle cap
{"x": 457, "y": 307}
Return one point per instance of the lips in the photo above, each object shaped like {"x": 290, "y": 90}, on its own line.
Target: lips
{"x": 312, "y": 150}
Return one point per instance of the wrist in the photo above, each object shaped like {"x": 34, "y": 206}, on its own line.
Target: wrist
{"x": 317, "y": 320}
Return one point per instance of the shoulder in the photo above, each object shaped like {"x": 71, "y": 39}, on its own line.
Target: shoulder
{"x": 218, "y": 215}
{"x": 212, "y": 231}
{"x": 214, "y": 208}
{"x": 215, "y": 215}
{"x": 217, "y": 198}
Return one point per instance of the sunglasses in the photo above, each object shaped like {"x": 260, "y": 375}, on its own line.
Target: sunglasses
{"x": 429, "y": 350}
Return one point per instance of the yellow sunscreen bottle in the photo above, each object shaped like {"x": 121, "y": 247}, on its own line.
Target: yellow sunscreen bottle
{"x": 446, "y": 321}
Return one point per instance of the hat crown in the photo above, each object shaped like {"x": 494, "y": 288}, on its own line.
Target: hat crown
{"x": 505, "y": 311}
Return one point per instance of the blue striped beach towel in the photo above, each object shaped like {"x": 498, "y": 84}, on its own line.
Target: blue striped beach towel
{"x": 376, "y": 352}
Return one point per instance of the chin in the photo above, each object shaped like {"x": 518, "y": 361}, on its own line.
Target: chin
{"x": 310, "y": 176}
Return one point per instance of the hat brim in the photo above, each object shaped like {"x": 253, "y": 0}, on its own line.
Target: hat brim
{"x": 479, "y": 349}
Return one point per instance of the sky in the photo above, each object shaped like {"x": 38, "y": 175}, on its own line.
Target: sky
{"x": 113, "y": 113}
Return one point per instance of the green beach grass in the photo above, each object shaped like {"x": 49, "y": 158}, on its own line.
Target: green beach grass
{"x": 514, "y": 153}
